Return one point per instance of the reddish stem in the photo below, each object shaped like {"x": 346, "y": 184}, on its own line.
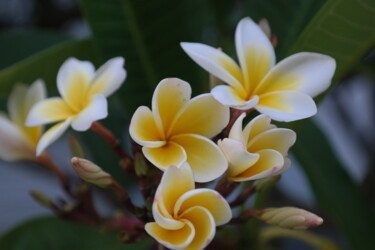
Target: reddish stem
{"x": 245, "y": 194}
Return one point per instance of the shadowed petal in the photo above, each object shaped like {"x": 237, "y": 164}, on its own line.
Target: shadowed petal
{"x": 254, "y": 51}
{"x": 230, "y": 97}
{"x": 204, "y": 157}
{"x": 95, "y": 110}
{"x": 16, "y": 104}
{"x": 308, "y": 72}
{"x": 202, "y": 115}
{"x": 287, "y": 105}
{"x": 51, "y": 135}
{"x": 207, "y": 198}
{"x": 109, "y": 77}
{"x": 49, "y": 110}
{"x": 256, "y": 126}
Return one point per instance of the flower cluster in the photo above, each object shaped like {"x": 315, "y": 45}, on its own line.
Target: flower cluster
{"x": 200, "y": 139}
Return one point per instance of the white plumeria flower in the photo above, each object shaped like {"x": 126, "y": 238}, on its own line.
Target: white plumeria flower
{"x": 83, "y": 100}
{"x": 18, "y": 142}
{"x": 259, "y": 150}
{"x": 283, "y": 91}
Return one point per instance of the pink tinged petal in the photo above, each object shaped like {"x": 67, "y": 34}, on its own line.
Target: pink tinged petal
{"x": 202, "y": 115}
{"x": 164, "y": 219}
{"x": 286, "y": 166}
{"x": 235, "y": 132}
{"x": 204, "y": 225}
{"x": 173, "y": 239}
{"x": 51, "y": 135}
{"x": 211, "y": 200}
{"x": 204, "y": 156}
{"x": 228, "y": 96}
{"x": 279, "y": 139}
{"x": 144, "y": 130}
{"x": 96, "y": 109}
{"x": 109, "y": 77}
{"x": 287, "y": 106}
{"x": 170, "y": 96}
{"x": 238, "y": 157}
{"x": 16, "y": 104}
{"x": 14, "y": 144}
{"x": 169, "y": 154}
{"x": 256, "y": 126}
{"x": 216, "y": 63}
{"x": 254, "y": 51}
{"x": 73, "y": 81}
{"x": 310, "y": 73}
{"x": 270, "y": 161}
{"x": 49, "y": 110}
{"x": 175, "y": 182}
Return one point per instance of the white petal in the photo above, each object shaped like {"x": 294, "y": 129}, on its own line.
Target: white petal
{"x": 73, "y": 81}
{"x": 95, "y": 110}
{"x": 109, "y": 77}
{"x": 286, "y": 106}
{"x": 14, "y": 144}
{"x": 51, "y": 135}
{"x": 215, "y": 62}
{"x": 166, "y": 222}
{"x": 308, "y": 72}
{"x": 227, "y": 96}
{"x": 254, "y": 51}
{"x": 256, "y": 126}
{"x": 235, "y": 132}
{"x": 16, "y": 104}
{"x": 36, "y": 93}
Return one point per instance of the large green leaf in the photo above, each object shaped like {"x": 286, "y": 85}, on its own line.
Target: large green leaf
{"x": 56, "y": 234}
{"x": 44, "y": 65}
{"x": 343, "y": 29}
{"x": 334, "y": 189}
{"x": 147, "y": 34}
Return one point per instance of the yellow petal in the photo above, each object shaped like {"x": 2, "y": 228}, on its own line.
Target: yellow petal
{"x": 108, "y": 78}
{"x": 174, "y": 183}
{"x": 164, "y": 218}
{"x": 49, "y": 110}
{"x": 230, "y": 97}
{"x": 172, "y": 239}
{"x": 198, "y": 118}
{"x": 169, "y": 98}
{"x": 51, "y": 135}
{"x": 286, "y": 105}
{"x": 143, "y": 129}
{"x": 279, "y": 139}
{"x": 73, "y": 81}
{"x": 237, "y": 155}
{"x": 204, "y": 226}
{"x": 256, "y": 126}
{"x": 269, "y": 162}
{"x": 204, "y": 157}
{"x": 166, "y": 155}
{"x": 207, "y": 198}
{"x": 254, "y": 51}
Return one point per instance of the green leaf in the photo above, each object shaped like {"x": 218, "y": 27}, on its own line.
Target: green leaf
{"x": 343, "y": 29}
{"x": 334, "y": 189}
{"x": 44, "y": 65}
{"x": 17, "y": 45}
{"x": 53, "y": 233}
{"x": 148, "y": 35}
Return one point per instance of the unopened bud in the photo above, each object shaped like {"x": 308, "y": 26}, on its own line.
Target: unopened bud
{"x": 140, "y": 165}
{"x": 75, "y": 146}
{"x": 290, "y": 217}
{"x": 91, "y": 173}
{"x": 41, "y": 198}
{"x": 266, "y": 183}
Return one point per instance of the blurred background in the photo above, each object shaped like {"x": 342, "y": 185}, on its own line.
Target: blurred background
{"x": 333, "y": 172}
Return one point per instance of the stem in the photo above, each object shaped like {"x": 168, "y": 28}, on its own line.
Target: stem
{"x": 234, "y": 114}
{"x": 225, "y": 187}
{"x": 110, "y": 139}
{"x": 245, "y": 194}
{"x": 124, "y": 197}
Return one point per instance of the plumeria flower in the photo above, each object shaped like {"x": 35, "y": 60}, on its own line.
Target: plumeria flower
{"x": 83, "y": 98}
{"x": 18, "y": 142}
{"x": 259, "y": 150}
{"x": 177, "y": 130}
{"x": 283, "y": 91}
{"x": 186, "y": 218}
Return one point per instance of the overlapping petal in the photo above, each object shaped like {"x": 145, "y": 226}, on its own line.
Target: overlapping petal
{"x": 51, "y": 135}
{"x": 108, "y": 78}
{"x": 256, "y": 126}
{"x": 197, "y": 117}
{"x": 203, "y": 156}
{"x": 229, "y": 97}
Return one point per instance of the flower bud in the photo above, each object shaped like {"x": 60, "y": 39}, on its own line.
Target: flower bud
{"x": 290, "y": 217}
{"x": 41, "y": 198}
{"x": 140, "y": 165}
{"x": 75, "y": 146}
{"x": 91, "y": 173}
